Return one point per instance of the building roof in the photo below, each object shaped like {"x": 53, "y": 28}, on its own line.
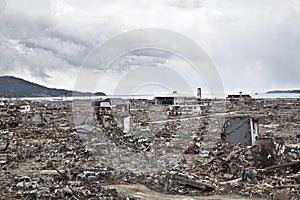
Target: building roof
{"x": 174, "y": 95}
{"x": 23, "y": 103}
{"x": 110, "y": 101}
{"x": 238, "y": 95}
{"x": 116, "y": 101}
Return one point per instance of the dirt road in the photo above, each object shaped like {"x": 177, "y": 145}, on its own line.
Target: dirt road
{"x": 142, "y": 192}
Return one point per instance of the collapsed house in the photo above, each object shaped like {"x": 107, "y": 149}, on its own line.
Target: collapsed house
{"x": 59, "y": 164}
{"x": 34, "y": 118}
{"x": 28, "y": 116}
{"x": 24, "y": 107}
{"x": 174, "y": 110}
{"x": 111, "y": 112}
{"x": 109, "y": 106}
{"x": 237, "y": 99}
{"x": 240, "y": 130}
{"x": 180, "y": 104}
{"x": 3, "y": 103}
{"x": 175, "y": 99}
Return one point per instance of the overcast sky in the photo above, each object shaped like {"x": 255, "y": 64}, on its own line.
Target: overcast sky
{"x": 255, "y": 45}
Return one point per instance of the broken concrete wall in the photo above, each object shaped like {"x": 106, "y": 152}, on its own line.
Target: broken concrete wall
{"x": 240, "y": 130}
{"x": 32, "y": 118}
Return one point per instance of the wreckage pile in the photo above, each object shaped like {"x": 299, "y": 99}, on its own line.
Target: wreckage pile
{"x": 227, "y": 170}
{"x": 44, "y": 158}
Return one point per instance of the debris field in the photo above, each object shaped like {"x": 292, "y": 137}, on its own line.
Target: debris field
{"x": 45, "y": 154}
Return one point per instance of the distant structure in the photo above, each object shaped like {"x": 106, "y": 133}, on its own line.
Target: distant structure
{"x": 174, "y": 98}
{"x": 240, "y": 130}
{"x": 33, "y": 118}
{"x": 109, "y": 106}
{"x": 198, "y": 93}
{"x": 239, "y": 98}
{"x": 112, "y": 112}
{"x": 24, "y": 107}
{"x": 180, "y": 104}
{"x": 2, "y": 103}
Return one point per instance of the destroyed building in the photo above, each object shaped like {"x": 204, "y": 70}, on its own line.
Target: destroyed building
{"x": 3, "y": 103}
{"x": 56, "y": 161}
{"x": 35, "y": 118}
{"x": 24, "y": 107}
{"x": 237, "y": 99}
{"x": 110, "y": 105}
{"x": 111, "y": 111}
{"x": 240, "y": 130}
{"x": 179, "y": 104}
{"x": 174, "y": 110}
{"x": 175, "y": 99}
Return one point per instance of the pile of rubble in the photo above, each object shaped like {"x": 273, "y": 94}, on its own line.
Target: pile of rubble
{"x": 227, "y": 170}
{"x": 46, "y": 158}
{"x": 269, "y": 169}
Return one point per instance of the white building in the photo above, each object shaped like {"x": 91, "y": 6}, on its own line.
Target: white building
{"x": 24, "y": 107}
{"x": 175, "y": 99}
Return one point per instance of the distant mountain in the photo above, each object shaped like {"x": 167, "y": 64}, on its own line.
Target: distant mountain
{"x": 283, "y": 91}
{"x": 12, "y": 87}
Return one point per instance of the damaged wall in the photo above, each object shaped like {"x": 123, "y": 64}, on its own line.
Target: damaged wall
{"x": 240, "y": 130}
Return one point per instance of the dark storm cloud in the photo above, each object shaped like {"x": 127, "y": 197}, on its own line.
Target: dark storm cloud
{"x": 31, "y": 48}
{"x": 141, "y": 57}
{"x": 255, "y": 45}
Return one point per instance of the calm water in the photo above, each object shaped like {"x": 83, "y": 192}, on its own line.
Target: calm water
{"x": 256, "y": 96}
